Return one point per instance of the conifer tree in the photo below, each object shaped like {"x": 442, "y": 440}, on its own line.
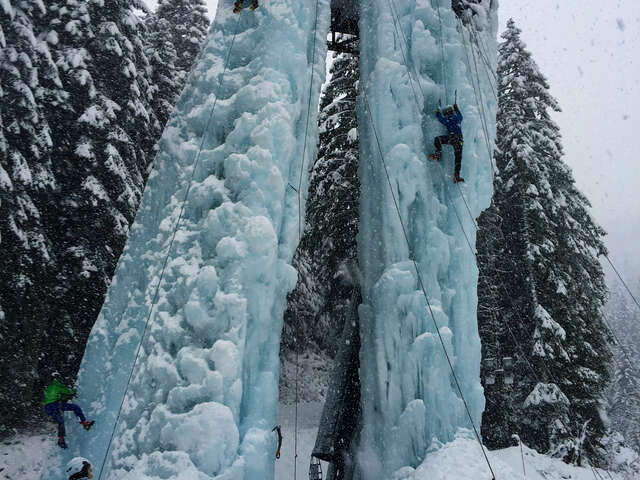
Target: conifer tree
{"x": 188, "y": 25}
{"x": 177, "y": 31}
{"x": 624, "y": 394}
{"x": 167, "y": 80}
{"x": 327, "y": 253}
{"x": 103, "y": 150}
{"x": 77, "y": 133}
{"x": 553, "y": 285}
{"x": 28, "y": 80}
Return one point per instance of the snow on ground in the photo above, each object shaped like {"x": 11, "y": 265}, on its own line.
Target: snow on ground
{"x": 313, "y": 378}
{"x": 308, "y": 420}
{"x": 24, "y": 456}
{"x": 462, "y": 459}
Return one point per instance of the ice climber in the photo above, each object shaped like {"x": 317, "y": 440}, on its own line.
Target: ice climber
{"x": 56, "y": 402}
{"x": 79, "y": 468}
{"x": 450, "y": 117}
{"x": 239, "y": 5}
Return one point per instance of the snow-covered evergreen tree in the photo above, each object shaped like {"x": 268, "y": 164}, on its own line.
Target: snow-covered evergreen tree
{"x": 28, "y": 80}
{"x": 77, "y": 136}
{"x": 102, "y": 153}
{"x": 624, "y": 394}
{"x": 553, "y": 284}
{"x": 167, "y": 80}
{"x": 326, "y": 256}
{"x": 176, "y": 33}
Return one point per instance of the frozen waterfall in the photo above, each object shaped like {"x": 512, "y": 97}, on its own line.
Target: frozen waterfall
{"x": 414, "y": 55}
{"x": 203, "y": 397}
{"x": 204, "y": 301}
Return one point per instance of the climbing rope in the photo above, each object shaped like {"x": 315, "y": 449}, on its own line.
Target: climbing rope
{"x": 166, "y": 259}
{"x": 621, "y": 280}
{"x": 479, "y": 101}
{"x": 300, "y": 227}
{"x": 444, "y": 77}
{"x": 485, "y": 60}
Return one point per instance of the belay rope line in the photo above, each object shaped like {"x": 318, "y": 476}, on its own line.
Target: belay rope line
{"x": 300, "y": 227}
{"x": 479, "y": 101}
{"x": 166, "y": 260}
{"x": 444, "y": 77}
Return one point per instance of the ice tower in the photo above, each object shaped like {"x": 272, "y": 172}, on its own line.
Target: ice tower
{"x": 197, "y": 300}
{"x": 414, "y": 56}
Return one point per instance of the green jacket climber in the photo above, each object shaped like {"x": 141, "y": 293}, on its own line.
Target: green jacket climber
{"x": 56, "y": 402}
{"x": 57, "y": 391}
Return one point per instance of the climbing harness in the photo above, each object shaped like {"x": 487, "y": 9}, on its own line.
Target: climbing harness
{"x": 239, "y": 6}
{"x": 166, "y": 259}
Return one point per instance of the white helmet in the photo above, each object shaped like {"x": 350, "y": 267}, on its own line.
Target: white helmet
{"x": 78, "y": 465}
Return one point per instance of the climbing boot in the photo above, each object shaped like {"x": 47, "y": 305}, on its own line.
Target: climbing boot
{"x": 254, "y": 5}
{"x": 457, "y": 178}
{"x": 237, "y": 8}
{"x": 87, "y": 424}
{"x": 436, "y": 156}
{"x": 61, "y": 442}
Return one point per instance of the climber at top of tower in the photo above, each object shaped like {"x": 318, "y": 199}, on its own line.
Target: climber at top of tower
{"x": 461, "y": 6}
{"x": 239, "y": 5}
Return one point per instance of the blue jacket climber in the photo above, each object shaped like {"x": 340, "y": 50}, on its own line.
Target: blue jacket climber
{"x": 452, "y": 122}
{"x": 452, "y": 119}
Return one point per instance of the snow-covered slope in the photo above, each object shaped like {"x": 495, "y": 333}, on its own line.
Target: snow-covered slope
{"x": 412, "y": 57}
{"x": 460, "y": 460}
{"x": 203, "y": 397}
{"x": 24, "y": 457}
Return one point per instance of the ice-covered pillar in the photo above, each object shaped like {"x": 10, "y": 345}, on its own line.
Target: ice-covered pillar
{"x": 203, "y": 397}
{"x": 410, "y": 401}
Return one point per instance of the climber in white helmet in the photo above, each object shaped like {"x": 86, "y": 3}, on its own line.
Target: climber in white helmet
{"x": 79, "y": 468}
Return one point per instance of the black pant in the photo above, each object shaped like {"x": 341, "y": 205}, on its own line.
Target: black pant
{"x": 456, "y": 141}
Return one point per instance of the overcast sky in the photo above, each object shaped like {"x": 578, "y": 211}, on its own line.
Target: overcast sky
{"x": 590, "y": 52}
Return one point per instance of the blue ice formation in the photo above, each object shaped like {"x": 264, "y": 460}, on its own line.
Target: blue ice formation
{"x": 202, "y": 399}
{"x": 414, "y": 55}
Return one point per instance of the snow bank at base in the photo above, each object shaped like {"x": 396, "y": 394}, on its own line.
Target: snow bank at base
{"x": 26, "y": 456}
{"x": 308, "y": 420}
{"x": 462, "y": 459}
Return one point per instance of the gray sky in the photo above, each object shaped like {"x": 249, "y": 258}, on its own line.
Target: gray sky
{"x": 589, "y": 51}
